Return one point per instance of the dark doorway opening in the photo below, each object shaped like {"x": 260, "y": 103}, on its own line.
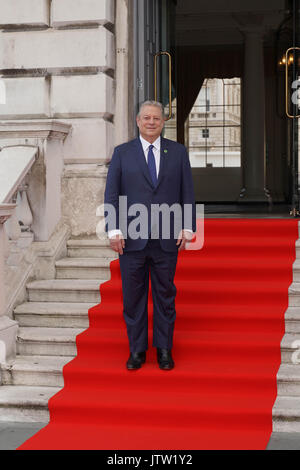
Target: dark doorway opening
{"x": 227, "y": 97}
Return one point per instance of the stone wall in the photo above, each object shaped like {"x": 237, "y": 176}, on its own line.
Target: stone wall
{"x": 57, "y": 61}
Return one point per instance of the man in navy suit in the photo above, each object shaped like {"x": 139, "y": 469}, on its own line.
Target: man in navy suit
{"x": 150, "y": 172}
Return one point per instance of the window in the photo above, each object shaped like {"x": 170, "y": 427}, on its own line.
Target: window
{"x": 215, "y": 131}
{"x": 204, "y": 98}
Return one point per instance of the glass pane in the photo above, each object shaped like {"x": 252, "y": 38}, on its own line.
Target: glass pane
{"x": 170, "y": 129}
{"x": 232, "y": 91}
{"x": 232, "y": 115}
{"x": 232, "y": 156}
{"x": 197, "y": 158}
{"x": 232, "y": 81}
{"x": 214, "y": 124}
{"x": 167, "y": 43}
{"x": 215, "y": 157}
{"x": 214, "y": 116}
{"x": 293, "y": 81}
{"x": 162, "y": 74}
{"x": 232, "y": 136}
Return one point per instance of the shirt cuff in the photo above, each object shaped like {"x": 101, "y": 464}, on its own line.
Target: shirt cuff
{"x": 112, "y": 233}
{"x": 190, "y": 234}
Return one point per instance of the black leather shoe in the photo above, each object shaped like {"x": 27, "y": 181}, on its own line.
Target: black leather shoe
{"x": 164, "y": 359}
{"x": 136, "y": 359}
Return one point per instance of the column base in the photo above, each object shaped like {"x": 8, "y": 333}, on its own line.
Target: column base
{"x": 248, "y": 195}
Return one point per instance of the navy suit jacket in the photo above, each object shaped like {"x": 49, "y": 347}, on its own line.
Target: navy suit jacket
{"x": 128, "y": 175}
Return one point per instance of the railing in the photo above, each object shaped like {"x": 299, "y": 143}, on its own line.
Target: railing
{"x": 15, "y": 227}
{"x": 15, "y": 164}
{"x": 31, "y": 165}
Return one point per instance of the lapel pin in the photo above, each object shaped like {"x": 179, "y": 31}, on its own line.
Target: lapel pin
{"x": 165, "y": 151}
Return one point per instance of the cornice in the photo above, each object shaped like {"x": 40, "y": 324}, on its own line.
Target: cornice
{"x": 34, "y": 129}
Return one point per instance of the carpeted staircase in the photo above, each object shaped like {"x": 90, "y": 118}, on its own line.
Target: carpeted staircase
{"x": 55, "y": 313}
{"x": 232, "y": 300}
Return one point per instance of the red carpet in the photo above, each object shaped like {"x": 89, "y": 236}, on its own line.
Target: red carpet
{"x": 231, "y": 299}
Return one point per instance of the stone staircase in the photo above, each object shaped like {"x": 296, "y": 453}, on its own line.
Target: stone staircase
{"x": 55, "y": 313}
{"x": 286, "y": 410}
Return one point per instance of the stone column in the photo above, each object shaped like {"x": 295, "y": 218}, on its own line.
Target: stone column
{"x": 123, "y": 88}
{"x": 254, "y": 151}
{"x": 8, "y": 327}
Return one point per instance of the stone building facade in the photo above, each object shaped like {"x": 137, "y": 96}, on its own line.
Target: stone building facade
{"x": 72, "y": 73}
{"x": 59, "y": 64}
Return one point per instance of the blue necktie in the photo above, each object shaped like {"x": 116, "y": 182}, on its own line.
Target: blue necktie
{"x": 151, "y": 165}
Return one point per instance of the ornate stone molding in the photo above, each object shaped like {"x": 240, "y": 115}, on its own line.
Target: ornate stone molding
{"x": 34, "y": 129}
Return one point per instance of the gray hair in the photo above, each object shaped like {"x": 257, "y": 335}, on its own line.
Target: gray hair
{"x": 157, "y": 104}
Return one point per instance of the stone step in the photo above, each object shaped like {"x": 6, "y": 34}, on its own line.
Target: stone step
{"x": 292, "y": 320}
{"x": 288, "y": 380}
{"x": 35, "y": 371}
{"x": 90, "y": 248}
{"x": 53, "y": 314}
{"x": 47, "y": 341}
{"x": 61, "y": 290}
{"x": 296, "y": 270}
{"x": 21, "y": 403}
{"x": 298, "y": 247}
{"x": 286, "y": 414}
{"x": 290, "y": 349}
{"x": 83, "y": 268}
{"x": 294, "y": 294}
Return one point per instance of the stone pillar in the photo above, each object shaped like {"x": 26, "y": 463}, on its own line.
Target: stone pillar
{"x": 8, "y": 327}
{"x": 254, "y": 157}
{"x": 122, "y": 79}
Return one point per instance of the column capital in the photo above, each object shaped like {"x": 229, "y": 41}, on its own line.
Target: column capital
{"x": 250, "y": 23}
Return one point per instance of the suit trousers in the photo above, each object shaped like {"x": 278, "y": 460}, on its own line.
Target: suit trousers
{"x": 135, "y": 267}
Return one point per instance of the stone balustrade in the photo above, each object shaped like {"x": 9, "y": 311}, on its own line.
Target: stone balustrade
{"x": 31, "y": 164}
{"x": 8, "y": 327}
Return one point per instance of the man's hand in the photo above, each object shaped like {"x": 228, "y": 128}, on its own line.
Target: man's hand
{"x": 183, "y": 237}
{"x": 117, "y": 243}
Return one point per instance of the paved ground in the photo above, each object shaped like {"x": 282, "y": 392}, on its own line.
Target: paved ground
{"x": 284, "y": 441}
{"x": 12, "y": 435}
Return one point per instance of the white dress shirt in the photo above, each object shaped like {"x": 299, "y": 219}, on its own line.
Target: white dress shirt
{"x": 156, "y": 153}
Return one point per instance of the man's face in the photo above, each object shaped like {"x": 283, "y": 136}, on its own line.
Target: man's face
{"x": 150, "y": 123}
